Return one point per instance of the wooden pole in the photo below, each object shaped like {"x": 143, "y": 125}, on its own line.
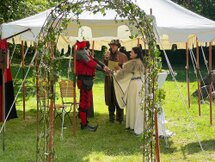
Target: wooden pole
{"x": 187, "y": 75}
{"x": 138, "y": 42}
{"x": 198, "y": 80}
{"x": 3, "y": 109}
{"x": 157, "y": 138}
{"x": 23, "y": 75}
{"x": 74, "y": 99}
{"x": 18, "y": 34}
{"x": 211, "y": 83}
{"x": 93, "y": 48}
{"x": 51, "y": 113}
{"x": 37, "y": 97}
{"x": 90, "y": 113}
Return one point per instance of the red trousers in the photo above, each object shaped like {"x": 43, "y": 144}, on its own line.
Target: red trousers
{"x": 85, "y": 102}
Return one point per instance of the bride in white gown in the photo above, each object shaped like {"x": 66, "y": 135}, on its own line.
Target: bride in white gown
{"x": 128, "y": 83}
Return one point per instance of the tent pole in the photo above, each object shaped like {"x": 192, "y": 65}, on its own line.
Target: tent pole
{"x": 93, "y": 48}
{"x": 198, "y": 80}
{"x": 187, "y": 75}
{"x": 138, "y": 42}
{"x": 3, "y": 107}
{"x": 23, "y": 75}
{"x": 90, "y": 113}
{"x": 18, "y": 33}
{"x": 37, "y": 97}
{"x": 74, "y": 90}
{"x": 211, "y": 83}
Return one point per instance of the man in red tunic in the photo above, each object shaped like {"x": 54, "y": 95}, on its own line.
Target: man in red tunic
{"x": 85, "y": 69}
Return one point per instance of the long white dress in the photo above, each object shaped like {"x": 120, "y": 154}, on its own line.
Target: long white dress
{"x": 128, "y": 83}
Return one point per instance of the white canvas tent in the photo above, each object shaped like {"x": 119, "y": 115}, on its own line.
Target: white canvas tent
{"x": 174, "y": 24}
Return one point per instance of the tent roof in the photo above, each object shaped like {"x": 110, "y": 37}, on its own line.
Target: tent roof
{"x": 178, "y": 22}
{"x": 172, "y": 22}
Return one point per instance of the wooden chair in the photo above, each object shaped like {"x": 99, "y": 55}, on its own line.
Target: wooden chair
{"x": 67, "y": 97}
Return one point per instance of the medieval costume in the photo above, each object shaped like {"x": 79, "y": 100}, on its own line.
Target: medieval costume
{"x": 110, "y": 98}
{"x": 86, "y": 67}
{"x": 128, "y": 83}
{"x": 8, "y": 88}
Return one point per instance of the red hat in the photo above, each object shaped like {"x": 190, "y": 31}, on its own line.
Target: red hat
{"x": 81, "y": 45}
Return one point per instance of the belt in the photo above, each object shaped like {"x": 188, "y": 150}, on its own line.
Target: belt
{"x": 84, "y": 77}
{"x": 135, "y": 78}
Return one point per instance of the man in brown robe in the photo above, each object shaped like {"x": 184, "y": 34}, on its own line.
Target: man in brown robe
{"x": 110, "y": 99}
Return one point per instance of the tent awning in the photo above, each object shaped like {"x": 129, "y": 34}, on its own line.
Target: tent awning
{"x": 172, "y": 22}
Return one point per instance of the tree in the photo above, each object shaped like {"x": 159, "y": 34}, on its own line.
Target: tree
{"x": 11, "y": 10}
{"x": 205, "y": 8}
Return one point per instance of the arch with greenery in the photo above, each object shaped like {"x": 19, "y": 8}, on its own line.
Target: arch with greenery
{"x": 47, "y": 66}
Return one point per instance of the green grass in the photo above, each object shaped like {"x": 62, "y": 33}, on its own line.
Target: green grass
{"x": 111, "y": 142}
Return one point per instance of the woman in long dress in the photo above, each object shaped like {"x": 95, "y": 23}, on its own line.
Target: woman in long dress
{"x": 128, "y": 83}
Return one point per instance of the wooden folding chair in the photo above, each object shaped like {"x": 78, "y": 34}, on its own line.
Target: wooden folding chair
{"x": 67, "y": 96}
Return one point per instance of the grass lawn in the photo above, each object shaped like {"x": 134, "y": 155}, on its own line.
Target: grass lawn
{"x": 111, "y": 142}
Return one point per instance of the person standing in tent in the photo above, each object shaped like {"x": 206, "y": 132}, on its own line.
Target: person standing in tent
{"x": 128, "y": 82}
{"x": 8, "y": 87}
{"x": 117, "y": 58}
{"x": 86, "y": 66}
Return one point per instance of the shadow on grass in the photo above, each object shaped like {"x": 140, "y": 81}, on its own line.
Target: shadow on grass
{"x": 166, "y": 147}
{"x": 110, "y": 140}
{"x": 191, "y": 148}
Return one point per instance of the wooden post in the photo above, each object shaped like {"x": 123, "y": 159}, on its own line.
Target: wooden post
{"x": 211, "y": 84}
{"x": 51, "y": 113}
{"x": 74, "y": 99}
{"x": 3, "y": 109}
{"x": 37, "y": 97}
{"x": 93, "y": 48}
{"x": 198, "y": 80}
{"x": 90, "y": 113}
{"x": 187, "y": 75}
{"x": 3, "y": 65}
{"x": 23, "y": 75}
{"x": 138, "y": 42}
{"x": 157, "y": 147}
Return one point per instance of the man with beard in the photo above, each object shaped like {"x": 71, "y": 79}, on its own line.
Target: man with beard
{"x": 113, "y": 55}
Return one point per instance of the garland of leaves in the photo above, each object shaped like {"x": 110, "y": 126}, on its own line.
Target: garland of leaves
{"x": 151, "y": 96}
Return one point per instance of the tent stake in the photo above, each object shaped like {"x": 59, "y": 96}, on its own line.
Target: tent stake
{"x": 23, "y": 75}
{"x": 74, "y": 89}
{"x": 187, "y": 75}
{"x": 198, "y": 80}
{"x": 211, "y": 83}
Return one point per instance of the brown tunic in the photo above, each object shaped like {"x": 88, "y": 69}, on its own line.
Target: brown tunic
{"x": 110, "y": 98}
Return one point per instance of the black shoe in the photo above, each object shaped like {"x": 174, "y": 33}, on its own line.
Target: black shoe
{"x": 89, "y": 128}
{"x": 111, "y": 120}
{"x": 120, "y": 121}
{"x": 94, "y": 127}
{"x": 127, "y": 129}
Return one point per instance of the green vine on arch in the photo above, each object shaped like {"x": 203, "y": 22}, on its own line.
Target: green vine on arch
{"x": 58, "y": 21}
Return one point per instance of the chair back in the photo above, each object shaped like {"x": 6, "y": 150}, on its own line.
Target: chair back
{"x": 66, "y": 89}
